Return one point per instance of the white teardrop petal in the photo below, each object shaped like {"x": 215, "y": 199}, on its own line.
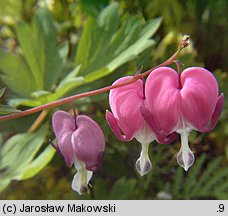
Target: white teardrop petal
{"x": 143, "y": 164}
{"x": 185, "y": 157}
{"x": 81, "y": 179}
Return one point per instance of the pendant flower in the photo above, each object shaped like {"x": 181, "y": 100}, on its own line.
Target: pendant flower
{"x": 181, "y": 103}
{"x": 127, "y": 122}
{"x": 81, "y": 142}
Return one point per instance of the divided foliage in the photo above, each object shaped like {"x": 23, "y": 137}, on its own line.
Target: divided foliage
{"x": 107, "y": 42}
{"x": 198, "y": 184}
{"x": 19, "y": 159}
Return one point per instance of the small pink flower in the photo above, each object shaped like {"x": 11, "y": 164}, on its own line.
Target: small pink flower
{"x": 126, "y": 120}
{"x": 81, "y": 142}
{"x": 181, "y": 103}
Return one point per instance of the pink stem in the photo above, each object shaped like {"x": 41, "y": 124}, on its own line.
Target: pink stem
{"x": 93, "y": 92}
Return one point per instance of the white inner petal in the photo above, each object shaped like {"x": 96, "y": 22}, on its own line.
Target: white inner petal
{"x": 78, "y": 164}
{"x": 144, "y": 134}
{"x": 143, "y": 164}
{"x": 185, "y": 157}
{"x": 81, "y": 178}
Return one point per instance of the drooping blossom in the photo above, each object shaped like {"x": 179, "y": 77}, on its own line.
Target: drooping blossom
{"x": 81, "y": 142}
{"x": 127, "y": 122}
{"x": 181, "y": 103}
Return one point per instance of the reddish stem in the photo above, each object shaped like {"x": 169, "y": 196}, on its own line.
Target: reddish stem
{"x": 59, "y": 102}
{"x": 67, "y": 100}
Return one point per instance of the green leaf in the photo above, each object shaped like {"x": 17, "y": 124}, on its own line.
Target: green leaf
{"x": 42, "y": 97}
{"x": 39, "y": 93}
{"x": 123, "y": 189}
{"x": 33, "y": 49}
{"x": 209, "y": 171}
{"x": 222, "y": 187}
{"x": 39, "y": 63}
{"x": 10, "y": 9}
{"x": 222, "y": 173}
{"x": 92, "y": 7}
{"x": 40, "y": 51}
{"x": 1, "y": 140}
{"x": 37, "y": 164}
{"x": 70, "y": 79}
{"x": 210, "y": 183}
{"x": 4, "y": 109}
{"x": 19, "y": 159}
{"x": 63, "y": 51}
{"x": 178, "y": 179}
{"x": 16, "y": 74}
{"x": 106, "y": 43}
{"x": 3, "y": 183}
{"x": 101, "y": 190}
{"x": 22, "y": 148}
{"x": 170, "y": 10}
{"x": 2, "y": 91}
{"x": 192, "y": 174}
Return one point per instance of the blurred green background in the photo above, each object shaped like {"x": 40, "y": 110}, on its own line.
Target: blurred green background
{"x": 53, "y": 48}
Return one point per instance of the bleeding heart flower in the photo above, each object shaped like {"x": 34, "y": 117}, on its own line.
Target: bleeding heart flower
{"x": 81, "y": 142}
{"x": 181, "y": 103}
{"x": 127, "y": 122}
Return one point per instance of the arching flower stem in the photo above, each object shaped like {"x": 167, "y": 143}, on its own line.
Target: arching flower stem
{"x": 184, "y": 43}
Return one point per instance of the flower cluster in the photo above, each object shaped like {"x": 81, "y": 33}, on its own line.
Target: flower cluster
{"x": 169, "y": 103}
